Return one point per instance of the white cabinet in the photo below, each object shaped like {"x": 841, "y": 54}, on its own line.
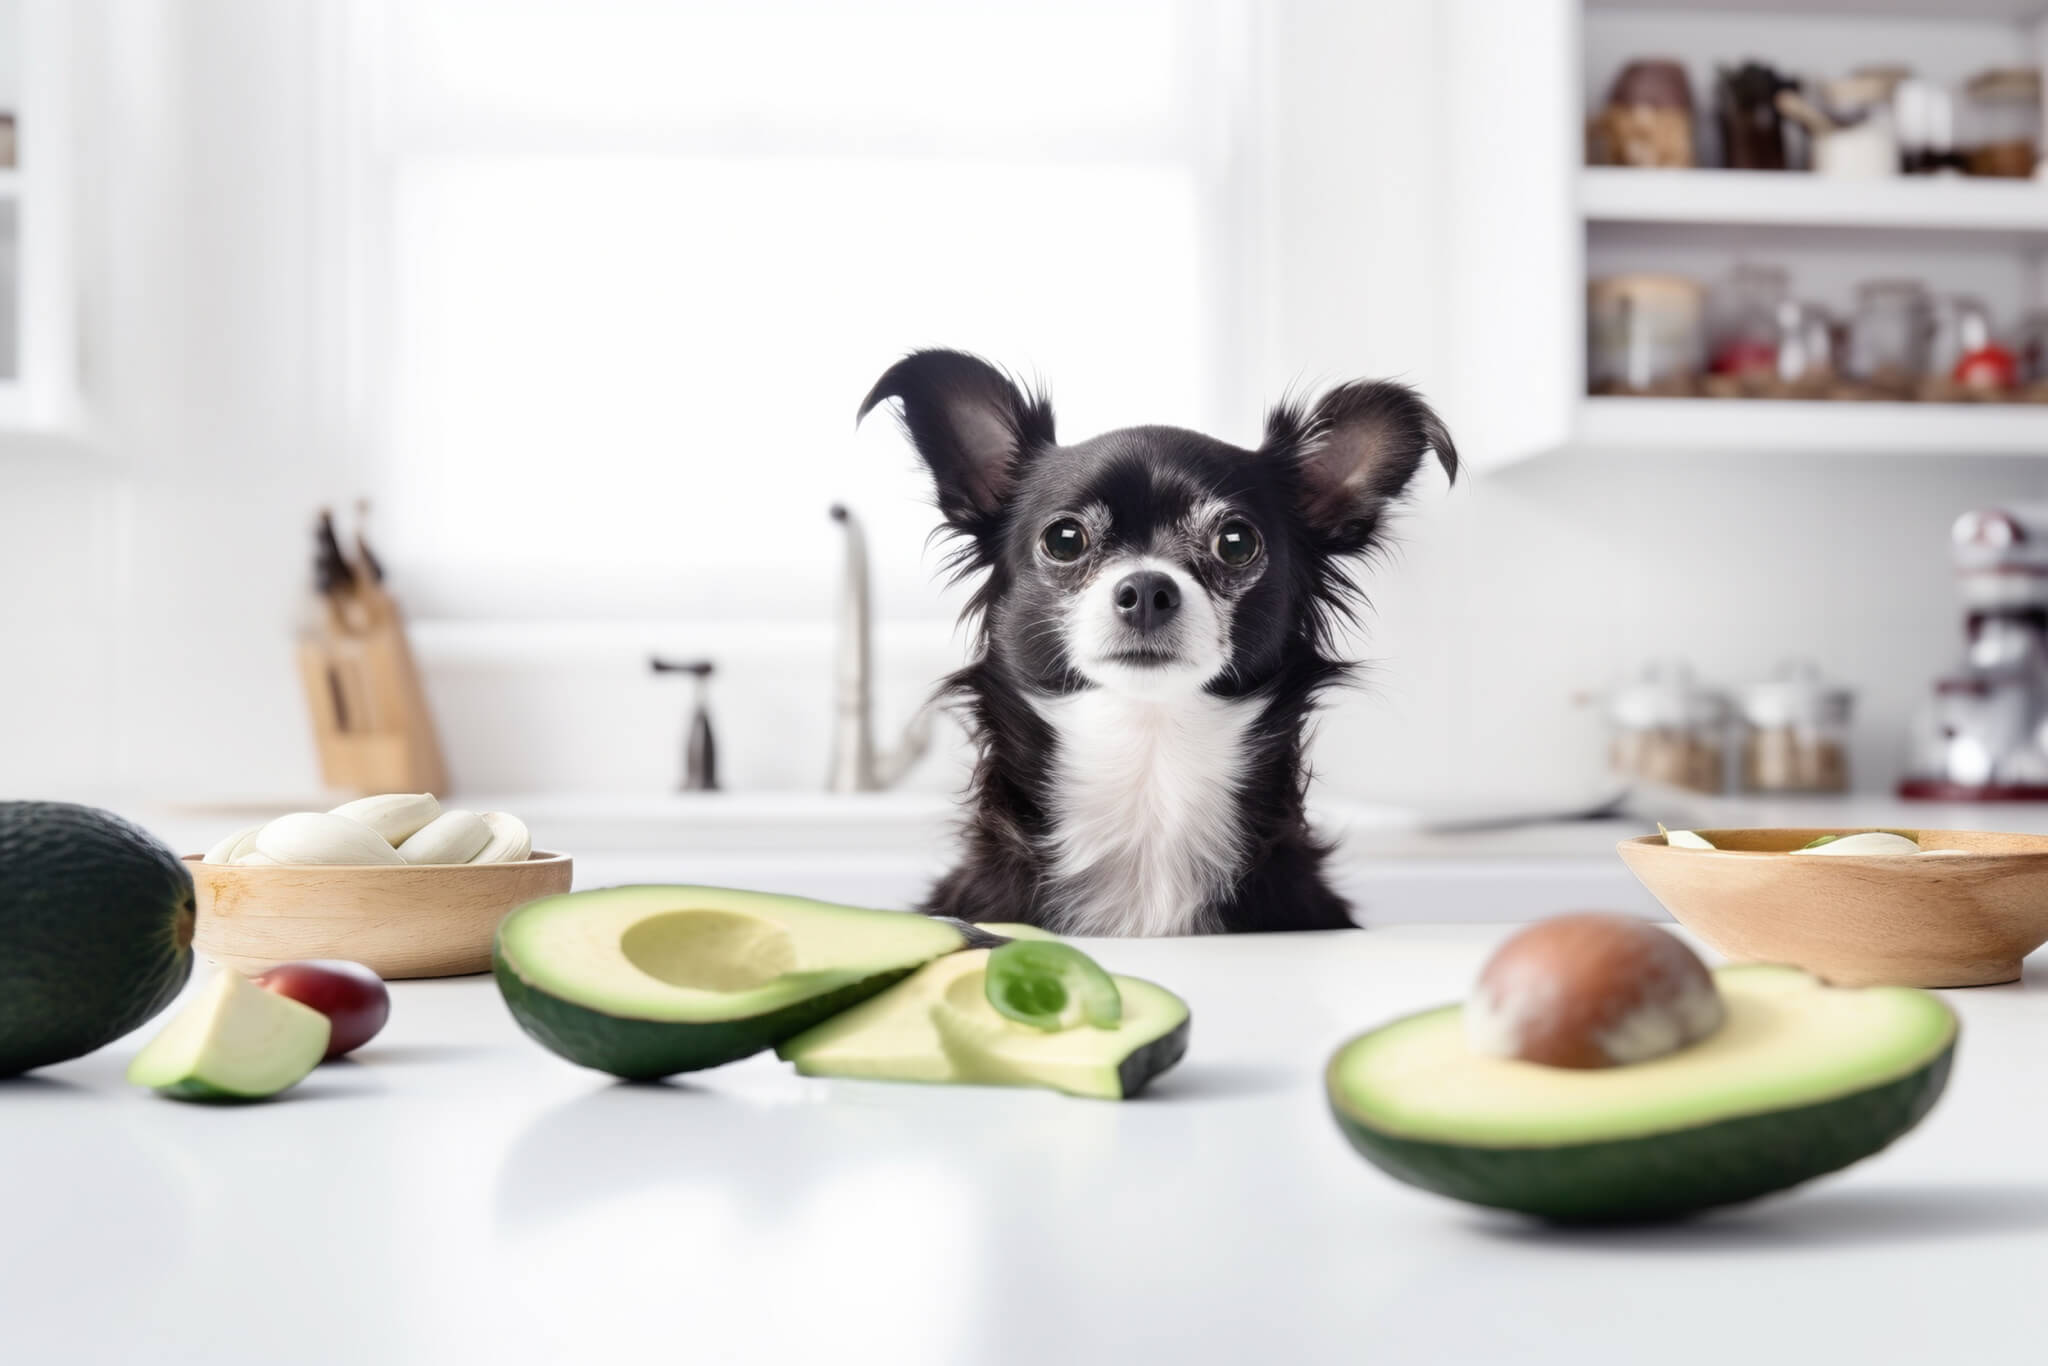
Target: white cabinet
{"x": 38, "y": 338}
{"x": 1529, "y": 224}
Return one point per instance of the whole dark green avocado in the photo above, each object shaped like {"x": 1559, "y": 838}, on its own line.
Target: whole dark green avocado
{"x": 96, "y": 925}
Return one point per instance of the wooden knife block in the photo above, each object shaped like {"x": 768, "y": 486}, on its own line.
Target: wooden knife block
{"x": 370, "y": 718}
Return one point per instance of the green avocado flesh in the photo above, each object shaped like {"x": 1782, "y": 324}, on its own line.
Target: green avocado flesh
{"x": 1800, "y": 1080}
{"x": 233, "y": 1041}
{"x": 96, "y": 923}
{"x": 643, "y": 982}
{"x": 939, "y": 1027}
{"x": 1050, "y": 986}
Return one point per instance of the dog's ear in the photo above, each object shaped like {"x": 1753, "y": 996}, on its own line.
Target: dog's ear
{"x": 1356, "y": 452}
{"x": 973, "y": 427}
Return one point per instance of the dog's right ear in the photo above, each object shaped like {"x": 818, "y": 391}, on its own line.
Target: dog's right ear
{"x": 973, "y": 427}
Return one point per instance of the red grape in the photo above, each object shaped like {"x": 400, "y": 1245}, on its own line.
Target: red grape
{"x": 351, "y": 997}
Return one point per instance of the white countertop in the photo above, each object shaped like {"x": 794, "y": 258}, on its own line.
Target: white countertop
{"x": 458, "y": 1194}
{"x": 886, "y": 849}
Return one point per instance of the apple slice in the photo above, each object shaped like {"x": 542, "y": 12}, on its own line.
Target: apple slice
{"x": 232, "y": 1041}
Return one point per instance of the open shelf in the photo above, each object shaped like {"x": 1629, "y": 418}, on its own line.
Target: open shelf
{"x": 1820, "y": 426}
{"x": 1625, "y": 194}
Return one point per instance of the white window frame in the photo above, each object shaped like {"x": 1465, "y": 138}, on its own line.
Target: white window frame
{"x": 1216, "y": 129}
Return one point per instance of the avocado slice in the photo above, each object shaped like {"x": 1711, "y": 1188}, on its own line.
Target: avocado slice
{"x": 643, "y": 982}
{"x": 1012, "y": 930}
{"x": 939, "y": 1027}
{"x": 1800, "y": 1080}
{"x": 96, "y": 922}
{"x": 233, "y": 1041}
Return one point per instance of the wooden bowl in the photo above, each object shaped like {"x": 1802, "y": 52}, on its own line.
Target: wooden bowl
{"x": 1960, "y": 920}
{"x": 429, "y": 920}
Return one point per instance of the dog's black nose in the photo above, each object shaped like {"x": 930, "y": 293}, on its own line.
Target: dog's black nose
{"x": 1147, "y": 600}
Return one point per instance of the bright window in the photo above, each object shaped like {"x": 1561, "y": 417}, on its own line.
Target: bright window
{"x": 641, "y": 261}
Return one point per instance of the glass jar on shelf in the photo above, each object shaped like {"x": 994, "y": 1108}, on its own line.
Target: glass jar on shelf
{"x": 1889, "y": 336}
{"x": 2030, "y": 349}
{"x": 1665, "y": 727}
{"x": 1744, "y": 314}
{"x": 2000, "y": 121}
{"x": 1644, "y": 335}
{"x": 1795, "y": 732}
{"x": 1807, "y": 363}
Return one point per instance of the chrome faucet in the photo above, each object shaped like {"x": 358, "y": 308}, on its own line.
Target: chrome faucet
{"x": 855, "y": 765}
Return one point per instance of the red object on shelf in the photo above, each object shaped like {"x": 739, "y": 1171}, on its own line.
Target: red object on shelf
{"x": 1745, "y": 356}
{"x": 1988, "y": 367}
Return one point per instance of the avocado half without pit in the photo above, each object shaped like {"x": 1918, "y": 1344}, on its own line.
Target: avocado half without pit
{"x": 1610, "y": 1090}
{"x": 644, "y": 982}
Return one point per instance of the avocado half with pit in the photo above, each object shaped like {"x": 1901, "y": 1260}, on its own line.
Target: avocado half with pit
{"x": 644, "y": 982}
{"x": 939, "y": 1027}
{"x": 1800, "y": 1080}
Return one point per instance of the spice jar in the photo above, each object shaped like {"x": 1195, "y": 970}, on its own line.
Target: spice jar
{"x": 1648, "y": 118}
{"x": 1795, "y": 732}
{"x": 1667, "y": 728}
{"x": 2000, "y": 118}
{"x": 1806, "y": 348}
{"x": 1752, "y": 133}
{"x": 1889, "y": 335}
{"x": 1644, "y": 335}
{"x": 1963, "y": 359}
{"x": 1745, "y": 310}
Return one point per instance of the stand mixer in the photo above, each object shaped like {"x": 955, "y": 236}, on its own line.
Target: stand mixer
{"x": 1984, "y": 734}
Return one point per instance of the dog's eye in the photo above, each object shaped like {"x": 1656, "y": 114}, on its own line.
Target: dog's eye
{"x": 1237, "y": 545}
{"x": 1066, "y": 540}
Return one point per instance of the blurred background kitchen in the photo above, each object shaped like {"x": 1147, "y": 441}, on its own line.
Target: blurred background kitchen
{"x": 1733, "y": 308}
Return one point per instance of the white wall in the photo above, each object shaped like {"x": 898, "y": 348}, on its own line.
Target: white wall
{"x": 160, "y": 568}
{"x": 151, "y": 585}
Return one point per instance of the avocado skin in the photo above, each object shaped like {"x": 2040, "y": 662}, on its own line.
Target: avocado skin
{"x": 646, "y": 1050}
{"x": 96, "y": 922}
{"x": 972, "y": 935}
{"x": 1667, "y": 1175}
{"x": 202, "y": 1093}
{"x": 1135, "y": 1072}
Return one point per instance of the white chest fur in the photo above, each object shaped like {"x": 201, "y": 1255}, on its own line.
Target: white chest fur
{"x": 1146, "y": 833}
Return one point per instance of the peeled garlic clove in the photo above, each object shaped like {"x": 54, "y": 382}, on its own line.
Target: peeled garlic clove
{"x": 451, "y": 837}
{"x": 1683, "y": 839}
{"x": 323, "y": 839}
{"x": 1869, "y": 842}
{"x": 397, "y": 816}
{"x": 230, "y": 849}
{"x": 510, "y": 841}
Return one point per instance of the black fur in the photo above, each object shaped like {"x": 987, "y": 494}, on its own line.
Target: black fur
{"x": 1317, "y": 491}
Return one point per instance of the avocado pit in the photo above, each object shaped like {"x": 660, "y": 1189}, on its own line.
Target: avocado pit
{"x": 1591, "y": 990}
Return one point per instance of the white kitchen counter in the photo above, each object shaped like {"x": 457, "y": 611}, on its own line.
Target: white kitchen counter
{"x": 886, "y": 849}
{"x": 458, "y": 1194}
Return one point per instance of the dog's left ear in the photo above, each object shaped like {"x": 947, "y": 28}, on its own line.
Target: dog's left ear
{"x": 1356, "y": 452}
{"x": 973, "y": 427}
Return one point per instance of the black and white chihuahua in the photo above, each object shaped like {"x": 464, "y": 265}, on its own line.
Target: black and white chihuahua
{"x": 1154, "y": 627}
